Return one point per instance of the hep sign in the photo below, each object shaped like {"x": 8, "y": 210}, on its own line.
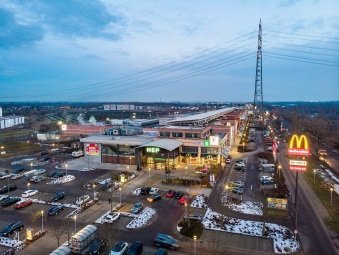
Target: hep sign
{"x": 92, "y": 149}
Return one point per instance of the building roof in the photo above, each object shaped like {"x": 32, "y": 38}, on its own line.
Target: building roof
{"x": 107, "y": 139}
{"x": 167, "y": 144}
{"x": 61, "y": 250}
{"x": 202, "y": 116}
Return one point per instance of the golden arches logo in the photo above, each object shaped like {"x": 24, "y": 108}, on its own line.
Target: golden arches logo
{"x": 298, "y": 142}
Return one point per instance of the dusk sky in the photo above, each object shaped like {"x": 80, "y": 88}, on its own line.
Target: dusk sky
{"x": 122, "y": 50}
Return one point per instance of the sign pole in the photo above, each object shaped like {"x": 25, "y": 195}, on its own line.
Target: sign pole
{"x": 296, "y": 202}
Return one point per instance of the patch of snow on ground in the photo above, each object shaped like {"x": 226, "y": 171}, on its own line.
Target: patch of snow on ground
{"x": 142, "y": 219}
{"x": 199, "y": 201}
{"x": 64, "y": 179}
{"x": 4, "y": 241}
{"x": 283, "y": 239}
{"x": 246, "y": 207}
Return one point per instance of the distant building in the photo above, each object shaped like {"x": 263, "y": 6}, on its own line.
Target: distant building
{"x": 10, "y": 121}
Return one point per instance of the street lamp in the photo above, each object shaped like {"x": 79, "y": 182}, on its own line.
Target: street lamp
{"x": 243, "y": 147}
{"x": 314, "y": 172}
{"x": 28, "y": 185}
{"x": 31, "y": 164}
{"x": 227, "y": 187}
{"x": 94, "y": 192}
{"x": 42, "y": 220}
{"x": 331, "y": 189}
{"x": 279, "y": 170}
{"x": 75, "y": 224}
{"x": 66, "y": 166}
{"x": 149, "y": 176}
{"x": 195, "y": 244}
{"x": 120, "y": 194}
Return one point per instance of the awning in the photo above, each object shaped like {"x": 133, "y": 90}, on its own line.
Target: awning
{"x": 166, "y": 144}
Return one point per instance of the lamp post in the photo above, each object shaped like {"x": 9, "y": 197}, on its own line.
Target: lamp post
{"x": 149, "y": 176}
{"x": 120, "y": 194}
{"x": 331, "y": 189}
{"x": 314, "y": 171}
{"x": 75, "y": 224}
{"x": 243, "y": 147}
{"x": 279, "y": 170}
{"x": 66, "y": 166}
{"x": 226, "y": 191}
{"x": 195, "y": 244}
{"x": 94, "y": 192}
{"x": 42, "y": 220}
{"x": 28, "y": 185}
{"x": 31, "y": 164}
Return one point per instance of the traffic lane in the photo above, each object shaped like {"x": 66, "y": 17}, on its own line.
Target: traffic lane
{"x": 310, "y": 227}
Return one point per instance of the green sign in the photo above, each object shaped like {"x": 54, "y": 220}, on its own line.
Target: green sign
{"x": 152, "y": 149}
{"x": 207, "y": 143}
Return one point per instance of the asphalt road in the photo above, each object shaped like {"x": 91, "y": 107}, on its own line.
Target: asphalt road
{"x": 313, "y": 232}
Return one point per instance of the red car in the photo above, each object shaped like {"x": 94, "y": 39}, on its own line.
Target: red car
{"x": 23, "y": 203}
{"x": 170, "y": 193}
{"x": 185, "y": 199}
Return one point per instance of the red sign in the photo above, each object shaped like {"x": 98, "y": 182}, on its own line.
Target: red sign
{"x": 92, "y": 149}
{"x": 298, "y": 168}
{"x": 298, "y": 152}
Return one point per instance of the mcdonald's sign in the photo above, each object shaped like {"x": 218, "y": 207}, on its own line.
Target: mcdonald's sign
{"x": 298, "y": 146}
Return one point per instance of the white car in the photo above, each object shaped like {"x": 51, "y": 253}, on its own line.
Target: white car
{"x": 119, "y": 248}
{"x": 82, "y": 199}
{"x": 3, "y": 197}
{"x": 29, "y": 193}
{"x": 264, "y": 178}
{"x": 41, "y": 171}
{"x": 111, "y": 217}
{"x": 153, "y": 191}
{"x": 6, "y": 176}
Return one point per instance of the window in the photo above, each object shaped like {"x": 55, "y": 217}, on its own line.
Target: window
{"x": 177, "y": 134}
{"x": 190, "y": 149}
{"x": 192, "y": 135}
{"x": 165, "y": 134}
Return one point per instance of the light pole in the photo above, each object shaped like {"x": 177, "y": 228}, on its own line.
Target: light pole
{"x": 226, "y": 191}
{"x": 28, "y": 185}
{"x": 94, "y": 192}
{"x": 279, "y": 170}
{"x": 331, "y": 189}
{"x": 186, "y": 213}
{"x": 314, "y": 172}
{"x": 149, "y": 176}
{"x": 42, "y": 220}
{"x": 195, "y": 244}
{"x": 66, "y": 165}
{"x": 243, "y": 147}
{"x": 75, "y": 224}
{"x": 31, "y": 164}
{"x": 120, "y": 194}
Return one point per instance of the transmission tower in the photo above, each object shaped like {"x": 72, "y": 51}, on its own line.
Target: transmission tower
{"x": 258, "y": 97}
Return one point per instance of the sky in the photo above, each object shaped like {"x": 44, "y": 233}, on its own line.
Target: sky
{"x": 190, "y": 51}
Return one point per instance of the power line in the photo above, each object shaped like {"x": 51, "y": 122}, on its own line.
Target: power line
{"x": 310, "y": 59}
{"x": 298, "y": 60}
{"x": 302, "y": 35}
{"x": 303, "y": 39}
{"x": 303, "y": 46}
{"x": 306, "y": 52}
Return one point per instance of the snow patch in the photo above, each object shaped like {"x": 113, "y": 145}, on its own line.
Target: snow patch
{"x": 142, "y": 219}
{"x": 246, "y": 207}
{"x": 199, "y": 201}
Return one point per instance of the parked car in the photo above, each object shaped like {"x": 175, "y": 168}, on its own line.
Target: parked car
{"x": 55, "y": 209}
{"x": 184, "y": 199}
{"x": 238, "y": 190}
{"x": 11, "y": 228}
{"x": 161, "y": 251}
{"x": 3, "y": 197}
{"x": 58, "y": 196}
{"x": 29, "y": 193}
{"x": 18, "y": 168}
{"x": 6, "y": 188}
{"x": 111, "y": 217}
{"x": 83, "y": 199}
{"x": 5, "y": 176}
{"x": 41, "y": 171}
{"x": 145, "y": 190}
{"x": 194, "y": 216}
{"x": 178, "y": 195}
{"x": 37, "y": 179}
{"x": 16, "y": 176}
{"x": 240, "y": 168}
{"x": 153, "y": 198}
{"x": 137, "y": 208}
{"x": 136, "y": 248}
{"x": 9, "y": 201}
{"x": 153, "y": 191}
{"x": 96, "y": 246}
{"x": 228, "y": 161}
{"x": 166, "y": 241}
{"x": 170, "y": 193}
{"x": 267, "y": 182}
{"x": 119, "y": 248}
{"x": 23, "y": 203}
{"x": 58, "y": 174}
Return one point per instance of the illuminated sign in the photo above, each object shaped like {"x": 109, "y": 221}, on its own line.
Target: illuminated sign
{"x": 152, "y": 149}
{"x": 214, "y": 140}
{"x": 92, "y": 149}
{"x": 298, "y": 168}
{"x": 298, "y": 146}
{"x": 206, "y": 143}
{"x": 63, "y": 127}
{"x": 298, "y": 163}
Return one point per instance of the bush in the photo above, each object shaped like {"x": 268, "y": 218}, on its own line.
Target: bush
{"x": 195, "y": 228}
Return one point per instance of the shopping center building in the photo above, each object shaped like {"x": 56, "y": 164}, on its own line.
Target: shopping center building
{"x": 194, "y": 140}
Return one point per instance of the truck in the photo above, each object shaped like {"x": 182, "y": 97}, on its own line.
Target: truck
{"x": 77, "y": 154}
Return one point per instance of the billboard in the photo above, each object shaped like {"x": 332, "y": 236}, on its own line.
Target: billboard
{"x": 92, "y": 149}
{"x": 214, "y": 140}
{"x": 298, "y": 146}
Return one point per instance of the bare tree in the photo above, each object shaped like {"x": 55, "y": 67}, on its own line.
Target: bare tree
{"x": 58, "y": 229}
{"x": 35, "y": 215}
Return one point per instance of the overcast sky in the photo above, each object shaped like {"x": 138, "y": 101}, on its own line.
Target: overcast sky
{"x": 173, "y": 50}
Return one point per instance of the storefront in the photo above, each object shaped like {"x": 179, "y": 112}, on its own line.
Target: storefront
{"x": 162, "y": 154}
